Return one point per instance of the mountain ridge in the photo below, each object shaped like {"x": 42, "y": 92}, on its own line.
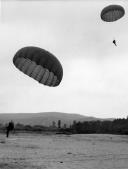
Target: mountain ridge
{"x": 46, "y": 118}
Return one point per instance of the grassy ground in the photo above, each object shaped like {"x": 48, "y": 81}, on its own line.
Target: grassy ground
{"x": 36, "y": 151}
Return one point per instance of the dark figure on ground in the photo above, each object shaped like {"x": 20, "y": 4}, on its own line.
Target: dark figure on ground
{"x": 9, "y": 128}
{"x": 114, "y": 41}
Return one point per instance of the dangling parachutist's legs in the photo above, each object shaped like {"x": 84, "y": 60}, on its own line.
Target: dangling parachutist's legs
{"x": 114, "y": 42}
{"x": 7, "y": 132}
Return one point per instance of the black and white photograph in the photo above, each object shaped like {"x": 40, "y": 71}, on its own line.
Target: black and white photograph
{"x": 63, "y": 84}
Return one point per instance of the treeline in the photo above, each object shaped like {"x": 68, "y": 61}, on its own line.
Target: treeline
{"x": 19, "y": 127}
{"x": 117, "y": 126}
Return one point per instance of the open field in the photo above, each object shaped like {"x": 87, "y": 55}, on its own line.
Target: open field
{"x": 37, "y": 151}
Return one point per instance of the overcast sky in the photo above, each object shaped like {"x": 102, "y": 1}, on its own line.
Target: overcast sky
{"x": 95, "y": 81}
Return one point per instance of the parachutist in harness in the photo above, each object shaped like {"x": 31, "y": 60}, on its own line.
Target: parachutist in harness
{"x": 112, "y": 13}
{"x": 114, "y": 41}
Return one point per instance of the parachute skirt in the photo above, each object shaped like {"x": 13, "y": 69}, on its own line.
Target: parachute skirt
{"x": 37, "y": 72}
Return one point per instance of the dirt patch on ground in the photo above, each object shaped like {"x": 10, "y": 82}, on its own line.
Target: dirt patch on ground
{"x": 60, "y": 151}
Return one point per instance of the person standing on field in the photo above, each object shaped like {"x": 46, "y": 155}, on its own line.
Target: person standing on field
{"x": 9, "y": 128}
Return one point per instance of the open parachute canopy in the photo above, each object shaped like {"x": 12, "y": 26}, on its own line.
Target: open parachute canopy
{"x": 112, "y": 13}
{"x": 40, "y": 65}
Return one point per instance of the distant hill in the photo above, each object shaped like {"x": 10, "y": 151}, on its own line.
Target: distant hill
{"x": 45, "y": 118}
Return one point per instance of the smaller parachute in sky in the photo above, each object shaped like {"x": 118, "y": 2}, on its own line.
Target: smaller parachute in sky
{"x": 39, "y": 64}
{"x": 112, "y": 13}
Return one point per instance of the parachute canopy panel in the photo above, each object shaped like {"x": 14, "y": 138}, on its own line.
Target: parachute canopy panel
{"x": 39, "y": 64}
{"x": 112, "y": 13}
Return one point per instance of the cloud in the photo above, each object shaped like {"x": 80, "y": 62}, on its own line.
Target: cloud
{"x": 95, "y": 71}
